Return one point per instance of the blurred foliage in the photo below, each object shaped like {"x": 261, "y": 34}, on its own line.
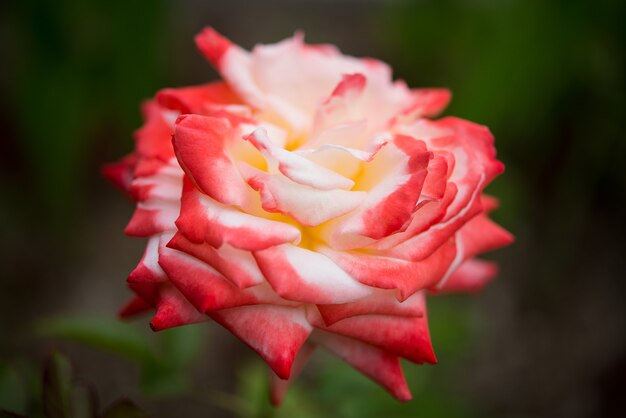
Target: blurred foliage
{"x": 163, "y": 358}
{"x": 78, "y": 73}
{"x": 57, "y": 396}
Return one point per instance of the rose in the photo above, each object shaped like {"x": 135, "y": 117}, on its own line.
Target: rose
{"x": 308, "y": 200}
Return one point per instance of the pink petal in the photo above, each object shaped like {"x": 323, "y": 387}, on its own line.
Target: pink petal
{"x": 481, "y": 234}
{"x": 151, "y": 219}
{"x": 278, "y": 386}
{"x": 200, "y": 143}
{"x": 379, "y": 365}
{"x": 427, "y": 102}
{"x": 275, "y": 333}
{"x": 471, "y": 276}
{"x": 236, "y": 265}
{"x": 392, "y": 273}
{"x": 436, "y": 179}
{"x": 197, "y": 99}
{"x": 154, "y": 138}
{"x": 382, "y": 302}
{"x": 121, "y": 172}
{"x": 394, "y": 180}
{"x": 305, "y": 204}
{"x": 213, "y": 45}
{"x": 205, "y": 287}
{"x": 146, "y": 279}
{"x": 134, "y": 307}
{"x": 297, "y": 168}
{"x": 406, "y": 337}
{"x": 307, "y": 276}
{"x": 174, "y": 310}
{"x": 202, "y": 219}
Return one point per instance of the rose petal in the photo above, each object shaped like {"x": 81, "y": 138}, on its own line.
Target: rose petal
{"x": 202, "y": 219}
{"x": 407, "y": 337}
{"x": 278, "y": 386}
{"x": 174, "y": 310}
{"x": 305, "y": 204}
{"x": 236, "y": 265}
{"x": 392, "y": 273}
{"x": 200, "y": 143}
{"x": 471, "y": 276}
{"x": 394, "y": 182}
{"x": 275, "y": 333}
{"x": 298, "y": 168}
{"x": 381, "y": 302}
{"x": 379, "y": 365}
{"x": 133, "y": 307}
{"x": 206, "y": 288}
{"x": 198, "y": 99}
{"x": 481, "y": 234}
{"x": 121, "y": 172}
{"x": 307, "y": 276}
{"x": 154, "y": 138}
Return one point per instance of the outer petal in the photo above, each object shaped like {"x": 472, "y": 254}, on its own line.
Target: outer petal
{"x": 233, "y": 63}
{"x": 174, "y": 310}
{"x": 135, "y": 306}
{"x": 154, "y": 138}
{"x": 481, "y": 234}
{"x": 204, "y": 99}
{"x": 392, "y": 273}
{"x": 382, "y": 302}
{"x": 278, "y": 386}
{"x": 202, "y": 219}
{"x": 236, "y": 265}
{"x": 288, "y": 79}
{"x": 160, "y": 186}
{"x": 206, "y": 288}
{"x": 150, "y": 219}
{"x": 148, "y": 277}
{"x": 307, "y": 276}
{"x": 382, "y": 367}
{"x": 426, "y": 102}
{"x": 157, "y": 190}
{"x": 471, "y": 276}
{"x": 121, "y": 172}
{"x": 275, "y": 333}
{"x": 474, "y": 167}
{"x": 423, "y": 245}
{"x": 151, "y": 284}
{"x": 406, "y": 337}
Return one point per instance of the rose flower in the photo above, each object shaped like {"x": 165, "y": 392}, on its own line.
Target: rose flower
{"x": 308, "y": 200}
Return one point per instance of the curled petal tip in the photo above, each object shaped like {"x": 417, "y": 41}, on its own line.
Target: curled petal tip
{"x": 212, "y": 45}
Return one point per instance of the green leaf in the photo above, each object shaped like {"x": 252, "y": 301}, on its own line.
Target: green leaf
{"x": 109, "y": 334}
{"x": 124, "y": 409}
{"x": 253, "y": 400}
{"x": 83, "y": 402}
{"x": 57, "y": 387}
{"x": 157, "y": 379}
{"x": 181, "y": 345}
{"x": 13, "y": 391}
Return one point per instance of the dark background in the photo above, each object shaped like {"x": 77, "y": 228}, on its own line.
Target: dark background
{"x": 547, "y": 339}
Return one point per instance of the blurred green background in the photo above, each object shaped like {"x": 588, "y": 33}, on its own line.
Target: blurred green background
{"x": 547, "y": 339}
